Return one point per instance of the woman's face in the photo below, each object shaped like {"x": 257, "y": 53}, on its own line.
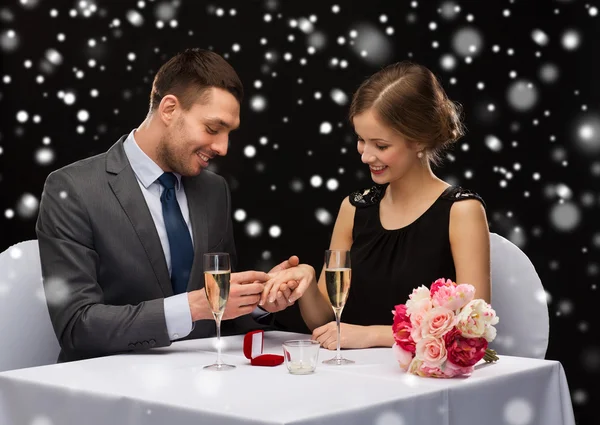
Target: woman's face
{"x": 388, "y": 154}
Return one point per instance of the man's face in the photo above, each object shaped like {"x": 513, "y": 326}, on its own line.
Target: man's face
{"x": 197, "y": 135}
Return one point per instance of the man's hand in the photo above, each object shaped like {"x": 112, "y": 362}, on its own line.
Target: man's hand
{"x": 244, "y": 295}
{"x": 293, "y": 261}
{"x": 250, "y": 276}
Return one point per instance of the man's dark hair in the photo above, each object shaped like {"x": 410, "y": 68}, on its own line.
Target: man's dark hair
{"x": 189, "y": 74}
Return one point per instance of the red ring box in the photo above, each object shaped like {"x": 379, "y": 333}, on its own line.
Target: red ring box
{"x": 253, "y": 350}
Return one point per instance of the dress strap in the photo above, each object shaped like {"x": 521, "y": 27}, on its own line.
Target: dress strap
{"x": 367, "y": 197}
{"x": 457, "y": 193}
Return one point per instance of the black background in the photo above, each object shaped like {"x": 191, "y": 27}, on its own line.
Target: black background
{"x": 553, "y": 218}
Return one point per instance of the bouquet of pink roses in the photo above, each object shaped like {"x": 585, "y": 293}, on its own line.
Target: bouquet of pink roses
{"x": 442, "y": 332}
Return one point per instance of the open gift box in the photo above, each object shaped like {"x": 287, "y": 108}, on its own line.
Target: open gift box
{"x": 253, "y": 350}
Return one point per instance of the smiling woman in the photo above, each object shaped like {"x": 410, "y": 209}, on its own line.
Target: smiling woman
{"x": 408, "y": 230}
{"x": 406, "y": 100}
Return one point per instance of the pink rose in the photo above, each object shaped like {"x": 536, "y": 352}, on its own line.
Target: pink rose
{"x": 453, "y": 297}
{"x": 437, "y": 322}
{"x": 418, "y": 300}
{"x": 416, "y": 320}
{"x": 431, "y": 372}
{"x": 402, "y": 329}
{"x": 399, "y": 311}
{"x": 464, "y": 294}
{"x": 420, "y": 368}
{"x": 415, "y": 333}
{"x": 443, "y": 296}
{"x": 420, "y": 309}
{"x": 451, "y": 370}
{"x": 403, "y": 357}
{"x": 440, "y": 283}
{"x": 432, "y": 351}
{"x": 464, "y": 352}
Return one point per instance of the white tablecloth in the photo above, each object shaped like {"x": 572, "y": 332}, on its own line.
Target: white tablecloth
{"x": 168, "y": 386}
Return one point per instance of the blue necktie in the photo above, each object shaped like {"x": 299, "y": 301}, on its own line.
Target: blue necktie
{"x": 180, "y": 242}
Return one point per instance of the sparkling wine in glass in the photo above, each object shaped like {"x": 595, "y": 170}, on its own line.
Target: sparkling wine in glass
{"x": 217, "y": 274}
{"x": 338, "y": 275}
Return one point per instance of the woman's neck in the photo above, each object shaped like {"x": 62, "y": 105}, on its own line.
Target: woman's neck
{"x": 418, "y": 183}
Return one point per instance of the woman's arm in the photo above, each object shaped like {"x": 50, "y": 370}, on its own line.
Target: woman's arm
{"x": 354, "y": 336}
{"x": 470, "y": 244}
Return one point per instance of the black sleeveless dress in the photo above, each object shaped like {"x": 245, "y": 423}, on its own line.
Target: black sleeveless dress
{"x": 388, "y": 264}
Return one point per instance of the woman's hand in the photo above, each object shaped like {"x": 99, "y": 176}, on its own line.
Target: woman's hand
{"x": 295, "y": 279}
{"x": 283, "y": 295}
{"x": 352, "y": 336}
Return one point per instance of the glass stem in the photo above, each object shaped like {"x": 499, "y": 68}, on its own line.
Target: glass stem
{"x": 218, "y": 317}
{"x": 338, "y": 315}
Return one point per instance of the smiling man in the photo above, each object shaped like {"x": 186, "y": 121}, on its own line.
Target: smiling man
{"x": 122, "y": 234}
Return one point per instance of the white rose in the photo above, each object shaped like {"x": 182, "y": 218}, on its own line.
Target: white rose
{"x": 419, "y": 300}
{"x": 476, "y": 319}
{"x": 490, "y": 334}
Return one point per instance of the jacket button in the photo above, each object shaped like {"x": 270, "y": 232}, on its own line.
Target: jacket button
{"x": 152, "y": 343}
{"x": 145, "y": 344}
{"x": 138, "y": 345}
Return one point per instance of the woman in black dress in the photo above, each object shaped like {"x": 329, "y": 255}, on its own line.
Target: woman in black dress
{"x": 407, "y": 230}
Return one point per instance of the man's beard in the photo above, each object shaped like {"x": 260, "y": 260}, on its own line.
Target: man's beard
{"x": 167, "y": 156}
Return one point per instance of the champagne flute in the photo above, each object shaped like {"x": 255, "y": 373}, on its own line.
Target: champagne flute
{"x": 217, "y": 273}
{"x": 337, "y": 278}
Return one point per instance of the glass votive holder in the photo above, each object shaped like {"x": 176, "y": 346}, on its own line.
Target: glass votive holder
{"x": 301, "y": 356}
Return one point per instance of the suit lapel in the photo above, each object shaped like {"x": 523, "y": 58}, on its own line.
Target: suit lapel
{"x": 199, "y": 219}
{"x": 124, "y": 185}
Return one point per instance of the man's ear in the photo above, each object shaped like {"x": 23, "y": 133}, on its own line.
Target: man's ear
{"x": 167, "y": 109}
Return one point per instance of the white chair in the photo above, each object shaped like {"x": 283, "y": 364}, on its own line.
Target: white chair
{"x": 26, "y": 335}
{"x": 519, "y": 300}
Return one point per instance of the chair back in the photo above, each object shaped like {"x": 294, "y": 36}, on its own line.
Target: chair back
{"x": 519, "y": 300}
{"x": 27, "y": 337}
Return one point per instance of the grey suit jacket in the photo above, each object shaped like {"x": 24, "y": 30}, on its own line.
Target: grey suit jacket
{"x": 105, "y": 273}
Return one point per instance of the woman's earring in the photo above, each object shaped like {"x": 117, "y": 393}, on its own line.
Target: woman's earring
{"x": 419, "y": 155}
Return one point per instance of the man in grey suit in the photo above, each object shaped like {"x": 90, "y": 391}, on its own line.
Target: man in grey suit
{"x": 122, "y": 234}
